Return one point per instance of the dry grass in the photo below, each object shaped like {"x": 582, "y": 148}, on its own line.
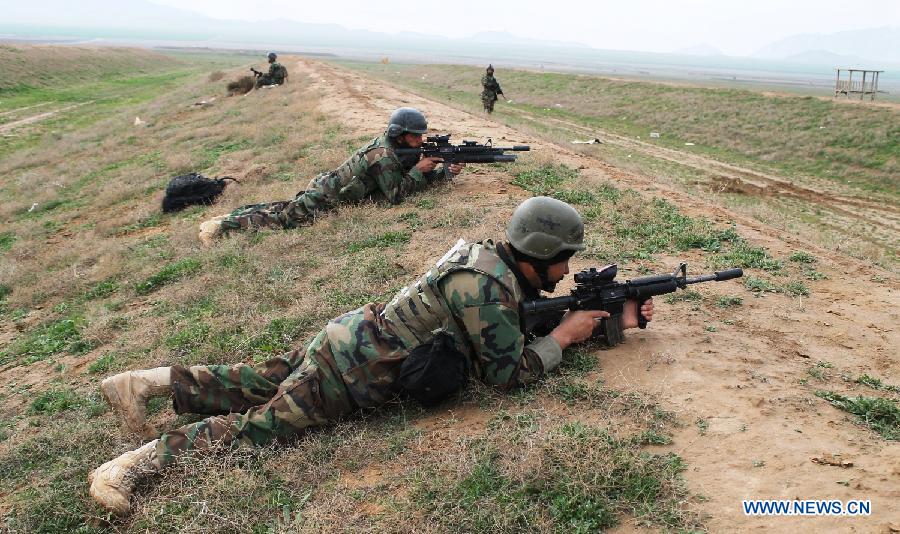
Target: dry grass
{"x": 97, "y": 281}
{"x": 241, "y": 86}
{"x": 72, "y": 64}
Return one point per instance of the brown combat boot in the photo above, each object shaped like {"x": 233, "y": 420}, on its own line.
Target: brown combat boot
{"x": 129, "y": 392}
{"x": 112, "y": 483}
{"x": 211, "y": 230}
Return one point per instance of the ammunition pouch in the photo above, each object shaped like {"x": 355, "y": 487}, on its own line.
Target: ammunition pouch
{"x": 434, "y": 371}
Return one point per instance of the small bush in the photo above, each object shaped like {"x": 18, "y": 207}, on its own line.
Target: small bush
{"x": 759, "y": 284}
{"x": 795, "y": 288}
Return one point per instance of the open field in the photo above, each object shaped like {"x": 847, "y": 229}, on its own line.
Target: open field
{"x": 730, "y": 393}
{"x": 827, "y": 169}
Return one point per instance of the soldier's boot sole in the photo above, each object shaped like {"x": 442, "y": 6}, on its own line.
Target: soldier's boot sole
{"x": 112, "y": 484}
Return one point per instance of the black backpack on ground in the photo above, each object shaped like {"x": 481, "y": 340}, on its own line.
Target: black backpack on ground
{"x": 189, "y": 189}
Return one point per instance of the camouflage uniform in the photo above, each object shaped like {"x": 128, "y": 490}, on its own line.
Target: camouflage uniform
{"x": 490, "y": 90}
{"x": 374, "y": 171}
{"x": 275, "y": 76}
{"x": 472, "y": 294}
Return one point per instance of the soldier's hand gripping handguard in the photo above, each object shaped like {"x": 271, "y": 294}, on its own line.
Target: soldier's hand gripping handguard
{"x": 597, "y": 290}
{"x": 438, "y": 146}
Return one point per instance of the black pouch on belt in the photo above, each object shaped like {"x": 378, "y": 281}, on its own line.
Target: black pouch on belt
{"x": 434, "y": 371}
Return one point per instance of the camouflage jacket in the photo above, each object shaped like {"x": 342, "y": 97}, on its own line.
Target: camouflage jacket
{"x": 472, "y": 294}
{"x": 490, "y": 86}
{"x": 277, "y": 72}
{"x": 374, "y": 171}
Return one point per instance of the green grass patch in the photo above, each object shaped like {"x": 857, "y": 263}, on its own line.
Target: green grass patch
{"x": 683, "y": 296}
{"x": 168, "y": 274}
{"x": 55, "y": 401}
{"x": 876, "y": 383}
{"x": 545, "y": 180}
{"x": 102, "y": 365}
{"x": 881, "y": 415}
{"x": 728, "y": 301}
{"x": 802, "y": 257}
{"x": 48, "y": 340}
{"x": 796, "y": 288}
{"x": 759, "y": 285}
{"x": 102, "y": 290}
{"x": 385, "y": 240}
{"x": 587, "y": 480}
{"x": 6, "y": 241}
{"x": 210, "y": 155}
{"x": 151, "y": 221}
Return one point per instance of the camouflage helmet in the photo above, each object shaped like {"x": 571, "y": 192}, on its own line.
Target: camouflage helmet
{"x": 272, "y": 56}
{"x": 542, "y": 227}
{"x": 406, "y": 120}
{"x": 490, "y": 68}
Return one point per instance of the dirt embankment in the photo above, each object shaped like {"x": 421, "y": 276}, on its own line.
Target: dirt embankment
{"x": 748, "y": 385}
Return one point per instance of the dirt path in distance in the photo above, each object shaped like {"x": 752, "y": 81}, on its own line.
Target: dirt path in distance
{"x": 10, "y": 126}
{"x": 760, "y": 424}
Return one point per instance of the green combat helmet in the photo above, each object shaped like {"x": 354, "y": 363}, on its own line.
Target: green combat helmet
{"x": 543, "y": 227}
{"x": 406, "y": 120}
{"x": 272, "y": 56}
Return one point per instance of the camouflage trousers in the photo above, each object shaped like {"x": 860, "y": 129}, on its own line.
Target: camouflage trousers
{"x": 255, "y": 405}
{"x": 352, "y": 363}
{"x": 265, "y": 79}
{"x": 487, "y": 100}
{"x": 284, "y": 214}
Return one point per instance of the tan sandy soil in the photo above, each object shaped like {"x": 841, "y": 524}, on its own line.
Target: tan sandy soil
{"x": 745, "y": 380}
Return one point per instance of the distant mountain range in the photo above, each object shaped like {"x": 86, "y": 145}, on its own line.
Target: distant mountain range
{"x": 870, "y": 45}
{"x": 143, "y": 21}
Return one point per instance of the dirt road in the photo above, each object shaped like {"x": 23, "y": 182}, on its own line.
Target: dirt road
{"x": 748, "y": 385}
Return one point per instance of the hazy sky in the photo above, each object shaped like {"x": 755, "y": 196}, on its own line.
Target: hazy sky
{"x": 736, "y": 27}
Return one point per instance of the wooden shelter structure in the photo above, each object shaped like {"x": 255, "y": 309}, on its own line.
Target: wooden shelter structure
{"x": 865, "y": 84}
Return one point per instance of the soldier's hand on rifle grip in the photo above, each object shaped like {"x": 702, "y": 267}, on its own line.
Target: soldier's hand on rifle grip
{"x": 577, "y": 326}
{"x": 427, "y": 165}
{"x": 630, "y": 313}
{"x": 456, "y": 168}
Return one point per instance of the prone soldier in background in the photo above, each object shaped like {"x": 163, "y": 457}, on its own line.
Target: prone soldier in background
{"x": 490, "y": 88}
{"x": 276, "y": 75}
{"x": 375, "y": 171}
{"x": 461, "y": 318}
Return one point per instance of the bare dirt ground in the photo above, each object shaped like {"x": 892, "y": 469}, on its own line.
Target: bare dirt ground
{"x": 747, "y": 383}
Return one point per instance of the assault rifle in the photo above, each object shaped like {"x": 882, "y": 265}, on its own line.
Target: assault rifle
{"x": 438, "y": 146}
{"x": 596, "y": 290}
{"x": 256, "y": 73}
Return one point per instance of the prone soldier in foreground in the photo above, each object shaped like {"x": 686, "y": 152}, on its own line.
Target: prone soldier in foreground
{"x": 462, "y": 317}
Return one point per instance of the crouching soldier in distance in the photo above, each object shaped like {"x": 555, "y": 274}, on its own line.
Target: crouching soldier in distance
{"x": 276, "y": 75}
{"x": 373, "y": 172}
{"x": 461, "y": 318}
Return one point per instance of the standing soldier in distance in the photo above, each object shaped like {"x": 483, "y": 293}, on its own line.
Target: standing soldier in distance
{"x": 463, "y": 314}
{"x": 490, "y": 88}
{"x": 373, "y": 172}
{"x": 276, "y": 75}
